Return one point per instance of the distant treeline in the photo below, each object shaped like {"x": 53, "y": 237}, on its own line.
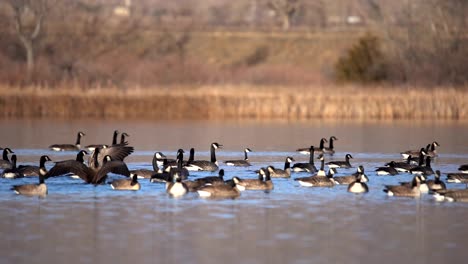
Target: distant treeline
{"x": 159, "y": 43}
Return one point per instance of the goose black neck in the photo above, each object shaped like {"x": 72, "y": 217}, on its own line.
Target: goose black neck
{"x": 180, "y": 160}
{"x": 330, "y": 144}
{"x": 5, "y": 155}
{"x": 311, "y": 155}
{"x": 267, "y": 176}
{"x": 428, "y": 161}
{"x": 42, "y": 162}
{"x": 134, "y": 179}
{"x": 78, "y": 139}
{"x": 322, "y": 165}
{"x": 421, "y": 159}
{"x": 322, "y": 144}
{"x": 41, "y": 178}
{"x": 433, "y": 146}
{"x": 245, "y": 155}
{"x": 213, "y": 154}
{"x": 287, "y": 164}
{"x": 221, "y": 174}
{"x": 80, "y": 157}
{"x": 114, "y": 137}
{"x": 13, "y": 162}
{"x": 191, "y": 156}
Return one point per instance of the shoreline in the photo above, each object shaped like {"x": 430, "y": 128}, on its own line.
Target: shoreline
{"x": 243, "y": 102}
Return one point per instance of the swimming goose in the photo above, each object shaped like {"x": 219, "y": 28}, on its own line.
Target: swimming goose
{"x": 402, "y": 166}
{"x": 92, "y": 147}
{"x": 68, "y": 147}
{"x": 96, "y": 174}
{"x": 341, "y": 163}
{"x": 158, "y": 160}
{"x": 240, "y": 163}
{"x": 451, "y": 195}
{"x": 117, "y": 153}
{"x": 13, "y": 172}
{"x": 457, "y": 177}
{"x": 405, "y": 191}
{"x": 279, "y": 173}
{"x": 32, "y": 189}
{"x": 330, "y": 149}
{"x": 205, "y": 165}
{"x": 425, "y": 170}
{"x": 5, "y": 163}
{"x": 31, "y": 170}
{"x": 436, "y": 184}
{"x": 318, "y": 150}
{"x": 175, "y": 187}
{"x": 209, "y": 180}
{"x": 463, "y": 168}
{"x": 262, "y": 183}
{"x": 423, "y": 187}
{"x": 219, "y": 191}
{"x": 318, "y": 181}
{"x": 352, "y": 178}
{"x": 131, "y": 184}
{"x": 308, "y": 166}
{"x": 358, "y": 185}
{"x": 388, "y": 170}
{"x": 431, "y": 150}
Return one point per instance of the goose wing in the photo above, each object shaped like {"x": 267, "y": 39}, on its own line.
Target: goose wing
{"x": 115, "y": 166}
{"x": 70, "y": 166}
{"x": 115, "y": 152}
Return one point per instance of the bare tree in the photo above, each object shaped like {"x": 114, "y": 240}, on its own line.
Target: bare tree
{"x": 28, "y": 17}
{"x": 285, "y": 9}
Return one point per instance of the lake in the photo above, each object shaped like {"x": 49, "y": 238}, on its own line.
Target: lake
{"x": 79, "y": 223}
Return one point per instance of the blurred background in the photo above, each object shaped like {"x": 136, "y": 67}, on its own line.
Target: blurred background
{"x": 229, "y": 50}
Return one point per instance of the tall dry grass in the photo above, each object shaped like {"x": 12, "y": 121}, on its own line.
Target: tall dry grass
{"x": 236, "y": 102}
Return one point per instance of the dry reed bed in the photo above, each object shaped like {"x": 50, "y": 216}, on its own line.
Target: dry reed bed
{"x": 236, "y": 102}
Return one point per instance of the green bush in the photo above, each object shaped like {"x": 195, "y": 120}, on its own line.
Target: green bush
{"x": 363, "y": 62}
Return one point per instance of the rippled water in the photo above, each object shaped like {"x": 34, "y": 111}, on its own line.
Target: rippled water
{"x": 79, "y": 223}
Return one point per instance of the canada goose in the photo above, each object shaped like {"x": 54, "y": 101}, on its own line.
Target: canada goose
{"x": 423, "y": 187}
{"x": 219, "y": 191}
{"x": 406, "y": 191}
{"x": 402, "y": 166}
{"x": 5, "y": 163}
{"x": 389, "y": 170}
{"x": 431, "y": 151}
{"x": 68, "y": 147}
{"x": 451, "y": 195}
{"x": 117, "y": 153}
{"x": 131, "y": 184}
{"x": 426, "y": 170}
{"x": 436, "y": 184}
{"x": 318, "y": 150}
{"x": 306, "y": 167}
{"x": 262, "y": 183}
{"x": 181, "y": 171}
{"x": 161, "y": 176}
{"x": 143, "y": 173}
{"x": 95, "y": 174}
{"x": 318, "y": 181}
{"x": 358, "y": 186}
{"x": 175, "y": 186}
{"x": 206, "y": 165}
{"x": 32, "y": 189}
{"x": 341, "y": 163}
{"x": 35, "y": 170}
{"x": 463, "y": 168}
{"x": 279, "y": 173}
{"x": 240, "y": 163}
{"x": 92, "y": 147}
{"x": 158, "y": 160}
{"x": 457, "y": 177}
{"x": 13, "y": 172}
{"x": 352, "y": 178}
{"x": 330, "y": 149}
{"x": 330, "y": 174}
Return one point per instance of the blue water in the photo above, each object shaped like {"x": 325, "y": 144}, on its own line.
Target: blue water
{"x": 80, "y": 223}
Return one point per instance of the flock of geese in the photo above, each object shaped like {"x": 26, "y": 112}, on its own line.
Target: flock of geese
{"x": 104, "y": 159}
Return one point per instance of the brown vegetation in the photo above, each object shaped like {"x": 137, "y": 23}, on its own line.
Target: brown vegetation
{"x": 237, "y": 102}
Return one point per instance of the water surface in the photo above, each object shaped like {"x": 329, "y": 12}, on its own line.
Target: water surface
{"x": 79, "y": 223}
